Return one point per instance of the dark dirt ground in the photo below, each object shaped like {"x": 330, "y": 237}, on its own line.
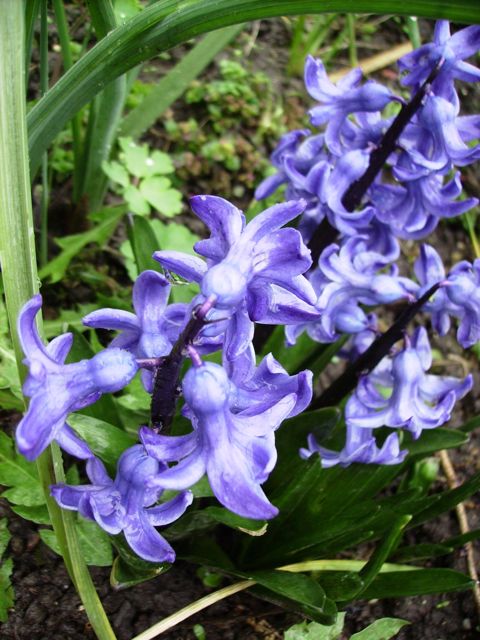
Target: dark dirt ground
{"x": 47, "y": 607}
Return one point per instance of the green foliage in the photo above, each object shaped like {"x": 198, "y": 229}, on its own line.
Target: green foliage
{"x": 68, "y": 319}
{"x": 236, "y": 116}
{"x": 128, "y": 569}
{"x": 19, "y": 475}
{"x": 323, "y": 512}
{"x": 94, "y": 542}
{"x": 172, "y": 236}
{"x": 10, "y": 388}
{"x": 7, "y": 595}
{"x": 150, "y": 101}
{"x": 297, "y": 591}
{"x": 315, "y": 631}
{"x": 106, "y": 441}
{"x": 148, "y": 34}
{"x": 199, "y": 632}
{"x": 126, "y": 9}
{"x": 383, "y": 629}
{"x": 139, "y": 176}
{"x": 209, "y": 578}
{"x": 423, "y": 581}
{"x": 235, "y": 95}
{"x": 71, "y": 245}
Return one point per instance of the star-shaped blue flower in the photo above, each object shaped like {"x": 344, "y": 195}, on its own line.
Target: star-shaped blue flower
{"x": 57, "y": 389}
{"x": 127, "y": 504}
{"x": 235, "y": 447}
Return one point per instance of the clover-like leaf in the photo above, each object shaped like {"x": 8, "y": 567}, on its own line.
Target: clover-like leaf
{"x": 116, "y": 172}
{"x": 158, "y": 192}
{"x": 136, "y": 202}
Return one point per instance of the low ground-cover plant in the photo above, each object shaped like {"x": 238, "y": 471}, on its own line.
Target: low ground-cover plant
{"x": 198, "y": 448}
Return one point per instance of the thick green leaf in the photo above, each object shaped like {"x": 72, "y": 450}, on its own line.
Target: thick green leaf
{"x": 433, "y": 440}
{"x": 144, "y": 244}
{"x": 383, "y": 629}
{"x": 295, "y": 591}
{"x": 163, "y": 25}
{"x": 293, "y": 435}
{"x": 232, "y": 520}
{"x": 299, "y": 356}
{"x": 382, "y": 551}
{"x": 432, "y": 506}
{"x": 318, "y": 505}
{"x": 19, "y": 475}
{"x": 123, "y": 575}
{"x": 7, "y": 595}
{"x": 105, "y": 440}
{"x": 72, "y": 245}
{"x": 316, "y": 631}
{"x": 34, "y": 514}
{"x": 471, "y": 425}
{"x": 422, "y": 551}
{"x": 128, "y": 569}
{"x": 422, "y": 582}
{"x": 340, "y": 585}
{"x": 94, "y": 543}
{"x": 4, "y": 536}
{"x": 459, "y": 541}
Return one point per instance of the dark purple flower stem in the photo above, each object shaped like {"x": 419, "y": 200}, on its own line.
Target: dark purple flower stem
{"x": 355, "y": 192}
{"x": 325, "y": 234}
{"x": 150, "y": 363}
{"x": 372, "y": 356}
{"x": 166, "y": 387}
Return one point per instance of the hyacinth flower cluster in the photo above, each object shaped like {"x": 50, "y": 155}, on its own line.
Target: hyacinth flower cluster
{"x": 265, "y": 272}
{"x": 252, "y": 272}
{"x": 403, "y": 198}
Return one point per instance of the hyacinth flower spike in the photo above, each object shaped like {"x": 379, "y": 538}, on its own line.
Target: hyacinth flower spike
{"x": 126, "y": 503}
{"x": 360, "y": 446}
{"x": 57, "y": 389}
{"x": 236, "y": 451}
{"x": 418, "y": 401}
{"x": 149, "y": 332}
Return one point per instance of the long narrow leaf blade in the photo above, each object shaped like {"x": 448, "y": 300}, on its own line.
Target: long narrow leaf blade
{"x": 166, "y": 24}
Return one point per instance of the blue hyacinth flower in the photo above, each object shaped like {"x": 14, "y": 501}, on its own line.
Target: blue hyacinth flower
{"x": 417, "y": 400}
{"x": 127, "y": 504}
{"x": 235, "y": 448}
{"x": 57, "y": 389}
